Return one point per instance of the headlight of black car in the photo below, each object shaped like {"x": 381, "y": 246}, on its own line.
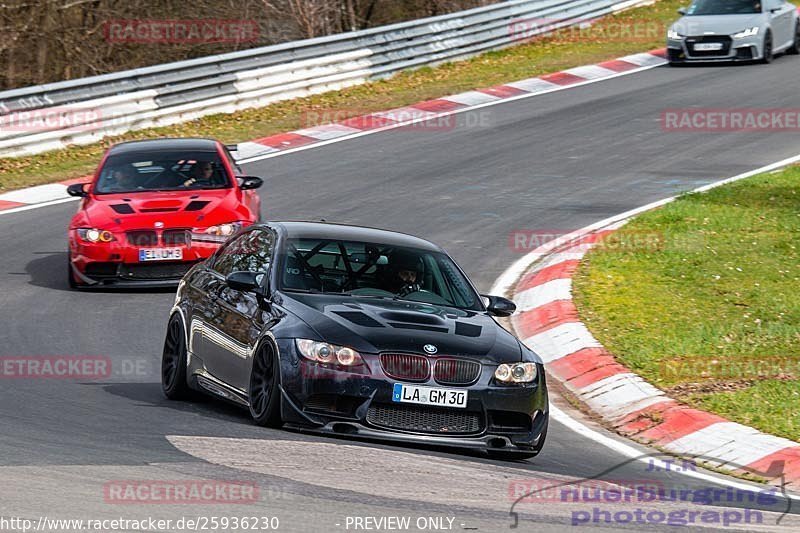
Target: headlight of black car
{"x": 329, "y": 354}
{"x": 511, "y": 373}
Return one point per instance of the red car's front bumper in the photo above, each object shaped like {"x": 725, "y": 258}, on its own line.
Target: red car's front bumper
{"x": 118, "y": 262}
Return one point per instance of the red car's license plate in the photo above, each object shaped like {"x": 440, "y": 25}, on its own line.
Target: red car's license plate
{"x": 160, "y": 254}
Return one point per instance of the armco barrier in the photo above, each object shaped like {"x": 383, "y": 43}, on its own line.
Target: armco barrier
{"x": 95, "y": 107}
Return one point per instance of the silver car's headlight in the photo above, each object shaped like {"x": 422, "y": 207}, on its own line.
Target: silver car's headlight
{"x": 749, "y": 32}
{"x": 515, "y": 372}
{"x": 674, "y": 35}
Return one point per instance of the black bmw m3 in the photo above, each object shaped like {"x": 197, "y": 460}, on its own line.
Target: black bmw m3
{"x": 349, "y": 330}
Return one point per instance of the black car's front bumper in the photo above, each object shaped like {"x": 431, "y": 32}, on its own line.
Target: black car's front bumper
{"x": 497, "y": 417}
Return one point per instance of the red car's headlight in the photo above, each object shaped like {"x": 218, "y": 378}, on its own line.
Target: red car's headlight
{"x": 95, "y": 235}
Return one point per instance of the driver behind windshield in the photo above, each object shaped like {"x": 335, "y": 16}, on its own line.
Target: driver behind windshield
{"x": 404, "y": 273}
{"x": 202, "y": 172}
{"x": 123, "y": 179}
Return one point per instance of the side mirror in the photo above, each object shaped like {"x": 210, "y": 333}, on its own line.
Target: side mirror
{"x": 232, "y": 147}
{"x": 499, "y": 306}
{"x": 78, "y": 190}
{"x": 246, "y": 282}
{"x": 682, "y": 11}
{"x": 250, "y": 182}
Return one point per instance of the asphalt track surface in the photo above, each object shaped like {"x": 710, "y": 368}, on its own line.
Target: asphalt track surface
{"x": 551, "y": 163}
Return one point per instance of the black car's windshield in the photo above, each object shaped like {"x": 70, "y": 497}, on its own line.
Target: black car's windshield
{"x": 373, "y": 270}
{"x": 161, "y": 171}
{"x": 724, "y": 7}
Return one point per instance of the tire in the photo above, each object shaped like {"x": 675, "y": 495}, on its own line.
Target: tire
{"x": 173, "y": 362}
{"x": 766, "y": 53}
{"x": 263, "y": 394}
{"x": 70, "y": 276}
{"x": 795, "y": 48}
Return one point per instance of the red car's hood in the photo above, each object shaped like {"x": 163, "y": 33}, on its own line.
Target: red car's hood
{"x": 172, "y": 209}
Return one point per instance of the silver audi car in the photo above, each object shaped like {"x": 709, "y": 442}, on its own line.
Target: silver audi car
{"x": 733, "y": 30}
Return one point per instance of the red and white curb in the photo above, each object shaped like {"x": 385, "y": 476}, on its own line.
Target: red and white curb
{"x": 284, "y": 143}
{"x": 547, "y": 321}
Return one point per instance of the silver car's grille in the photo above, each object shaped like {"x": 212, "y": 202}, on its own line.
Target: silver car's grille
{"x": 723, "y": 40}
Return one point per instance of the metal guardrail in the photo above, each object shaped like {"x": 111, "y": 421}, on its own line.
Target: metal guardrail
{"x": 85, "y": 110}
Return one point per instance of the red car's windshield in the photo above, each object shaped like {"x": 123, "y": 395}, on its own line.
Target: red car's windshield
{"x": 161, "y": 171}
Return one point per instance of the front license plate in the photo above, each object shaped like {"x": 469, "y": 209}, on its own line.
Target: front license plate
{"x": 429, "y": 396}
{"x": 707, "y": 47}
{"x": 160, "y": 254}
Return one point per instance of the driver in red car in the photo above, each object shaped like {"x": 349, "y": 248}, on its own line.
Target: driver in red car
{"x": 124, "y": 179}
{"x": 202, "y": 172}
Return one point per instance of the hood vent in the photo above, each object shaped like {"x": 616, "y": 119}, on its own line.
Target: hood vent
{"x": 466, "y": 329}
{"x": 159, "y": 210}
{"x": 197, "y": 205}
{"x": 412, "y": 318}
{"x": 359, "y": 318}
{"x": 123, "y": 209}
{"x": 420, "y": 327}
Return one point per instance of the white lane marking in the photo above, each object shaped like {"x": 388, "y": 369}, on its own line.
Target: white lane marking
{"x": 323, "y": 132}
{"x": 37, "y": 206}
{"x": 426, "y": 116}
{"x": 539, "y": 295}
{"x": 471, "y": 98}
{"x": 647, "y": 456}
{"x": 505, "y": 283}
{"x": 554, "y": 88}
{"x": 643, "y": 59}
{"x": 621, "y": 394}
{"x": 723, "y": 440}
{"x": 406, "y": 114}
{"x": 561, "y": 341}
{"x": 251, "y": 149}
{"x": 35, "y": 195}
{"x": 533, "y": 85}
{"x": 590, "y": 72}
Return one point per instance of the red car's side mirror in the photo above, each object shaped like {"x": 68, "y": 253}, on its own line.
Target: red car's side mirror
{"x": 78, "y": 189}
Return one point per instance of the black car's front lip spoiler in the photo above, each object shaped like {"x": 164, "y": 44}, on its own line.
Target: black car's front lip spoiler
{"x": 354, "y": 429}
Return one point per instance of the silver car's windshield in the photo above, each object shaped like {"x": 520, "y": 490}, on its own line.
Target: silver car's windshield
{"x": 724, "y": 7}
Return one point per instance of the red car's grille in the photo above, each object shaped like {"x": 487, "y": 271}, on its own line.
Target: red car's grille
{"x": 405, "y": 366}
{"x": 142, "y": 238}
{"x": 456, "y": 371}
{"x": 176, "y": 237}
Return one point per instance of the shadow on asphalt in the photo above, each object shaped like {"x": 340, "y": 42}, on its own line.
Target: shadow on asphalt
{"x": 49, "y": 270}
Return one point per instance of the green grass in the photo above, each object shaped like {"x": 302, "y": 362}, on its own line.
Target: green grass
{"x": 711, "y": 313}
{"x": 629, "y": 32}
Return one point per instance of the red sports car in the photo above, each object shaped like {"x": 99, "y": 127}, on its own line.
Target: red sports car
{"x": 154, "y": 209}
